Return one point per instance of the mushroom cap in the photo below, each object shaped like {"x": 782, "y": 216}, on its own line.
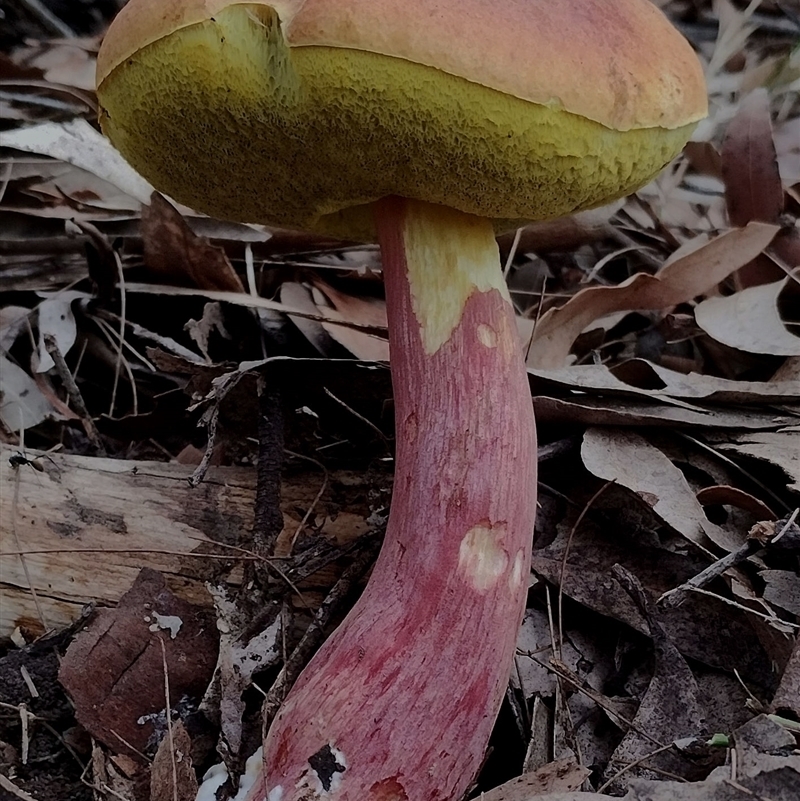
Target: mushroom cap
{"x": 302, "y": 112}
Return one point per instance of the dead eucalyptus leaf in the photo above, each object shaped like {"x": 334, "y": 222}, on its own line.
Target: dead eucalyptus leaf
{"x": 733, "y": 496}
{"x": 76, "y": 142}
{"x": 693, "y": 270}
{"x": 620, "y": 412}
{"x": 749, "y": 320}
{"x": 631, "y": 461}
{"x": 753, "y": 189}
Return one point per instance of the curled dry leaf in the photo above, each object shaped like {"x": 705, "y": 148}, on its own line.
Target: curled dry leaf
{"x": 630, "y": 460}
{"x": 56, "y": 318}
{"x": 750, "y": 321}
{"x": 733, "y": 496}
{"x": 693, "y": 270}
{"x": 13, "y": 320}
{"x": 22, "y": 404}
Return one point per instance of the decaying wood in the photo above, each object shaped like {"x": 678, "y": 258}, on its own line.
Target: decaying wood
{"x": 96, "y": 522}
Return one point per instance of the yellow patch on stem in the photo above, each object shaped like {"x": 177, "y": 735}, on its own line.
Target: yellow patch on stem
{"x": 481, "y": 556}
{"x": 449, "y": 255}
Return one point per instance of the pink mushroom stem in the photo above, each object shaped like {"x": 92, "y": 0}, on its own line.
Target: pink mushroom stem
{"x": 399, "y": 703}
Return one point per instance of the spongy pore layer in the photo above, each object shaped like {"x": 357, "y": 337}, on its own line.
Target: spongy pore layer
{"x": 223, "y": 116}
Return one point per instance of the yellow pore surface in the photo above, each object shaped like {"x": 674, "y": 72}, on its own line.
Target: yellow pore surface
{"x": 224, "y": 116}
{"x": 464, "y": 250}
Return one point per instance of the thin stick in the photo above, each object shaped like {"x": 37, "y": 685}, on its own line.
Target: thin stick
{"x": 583, "y": 514}
{"x": 247, "y": 556}
{"x": 123, "y": 304}
{"x": 12, "y": 788}
{"x": 776, "y": 621}
{"x": 200, "y": 471}
{"x": 113, "y": 338}
{"x": 49, "y": 19}
{"x": 75, "y": 397}
{"x": 169, "y": 718}
{"x": 632, "y": 765}
{"x": 676, "y": 596}
{"x": 358, "y": 416}
{"x": 316, "y": 631}
{"x": 268, "y": 517}
{"x": 512, "y": 252}
{"x": 301, "y": 525}
{"x": 15, "y": 535}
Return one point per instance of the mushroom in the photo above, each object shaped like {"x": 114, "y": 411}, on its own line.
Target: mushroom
{"x": 430, "y": 124}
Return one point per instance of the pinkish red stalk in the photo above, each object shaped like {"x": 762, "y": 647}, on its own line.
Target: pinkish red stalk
{"x": 399, "y": 703}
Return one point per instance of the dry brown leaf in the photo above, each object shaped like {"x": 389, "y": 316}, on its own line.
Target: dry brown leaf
{"x": 782, "y": 589}
{"x": 670, "y": 709}
{"x": 298, "y": 296}
{"x": 749, "y": 320}
{"x": 563, "y": 775}
{"x": 120, "y": 650}
{"x": 733, "y": 496}
{"x": 65, "y": 62}
{"x": 693, "y": 270}
{"x": 631, "y": 461}
{"x": 621, "y": 412}
{"x": 172, "y": 775}
{"x": 781, "y": 449}
{"x": 753, "y": 189}
{"x": 787, "y": 698}
{"x": 178, "y": 255}
{"x": 351, "y": 309}
{"x": 639, "y": 377}
{"x": 76, "y": 142}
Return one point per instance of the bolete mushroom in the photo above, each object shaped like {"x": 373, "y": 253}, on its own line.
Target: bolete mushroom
{"x": 431, "y": 124}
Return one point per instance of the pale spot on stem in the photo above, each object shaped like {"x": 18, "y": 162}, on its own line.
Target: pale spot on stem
{"x": 481, "y": 556}
{"x": 516, "y": 575}
{"x": 487, "y": 336}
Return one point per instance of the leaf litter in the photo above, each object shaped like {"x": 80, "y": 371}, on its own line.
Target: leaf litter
{"x": 662, "y": 349}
